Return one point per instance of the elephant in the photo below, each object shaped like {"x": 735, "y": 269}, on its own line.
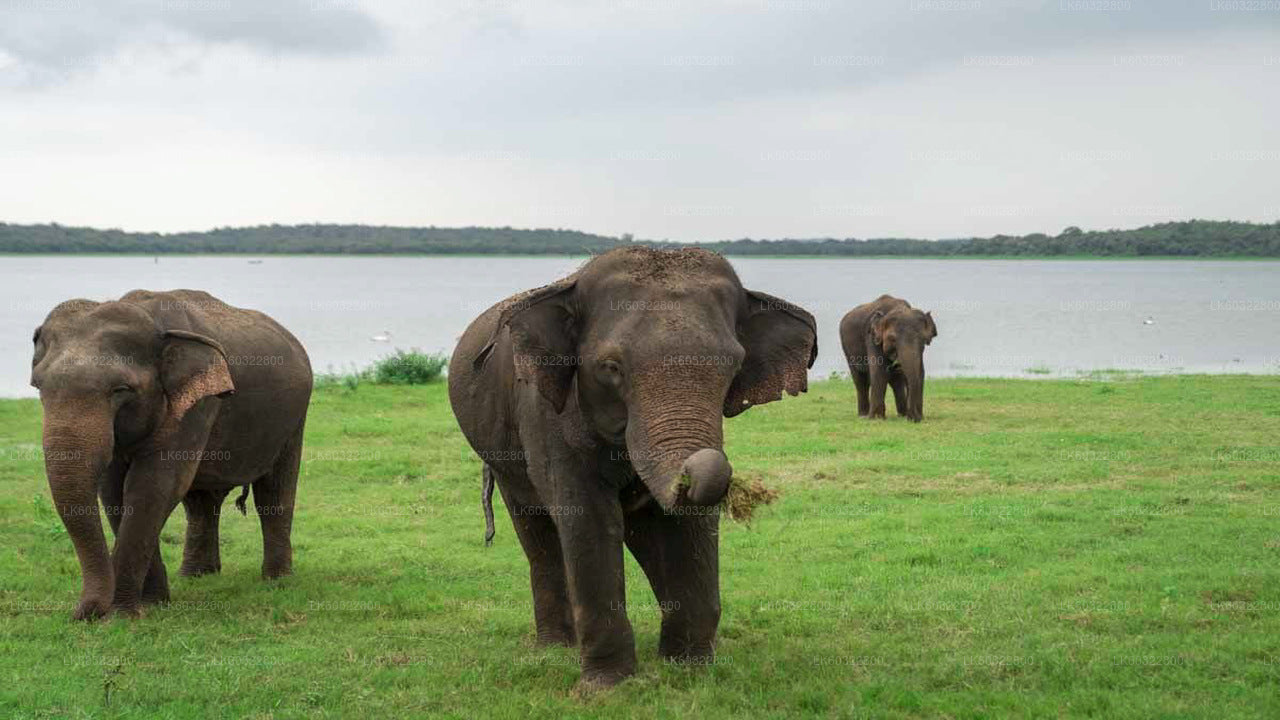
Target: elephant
{"x": 884, "y": 342}
{"x": 159, "y": 398}
{"x": 595, "y": 404}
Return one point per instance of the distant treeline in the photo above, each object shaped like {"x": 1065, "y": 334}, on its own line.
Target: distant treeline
{"x": 1203, "y": 238}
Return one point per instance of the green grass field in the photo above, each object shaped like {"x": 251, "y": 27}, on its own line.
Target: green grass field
{"x": 1100, "y": 547}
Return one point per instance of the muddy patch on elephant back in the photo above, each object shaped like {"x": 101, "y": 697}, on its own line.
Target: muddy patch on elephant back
{"x": 745, "y": 496}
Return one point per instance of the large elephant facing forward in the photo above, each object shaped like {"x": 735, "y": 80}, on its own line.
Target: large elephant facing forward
{"x": 884, "y": 342}
{"x": 161, "y": 398}
{"x": 596, "y": 404}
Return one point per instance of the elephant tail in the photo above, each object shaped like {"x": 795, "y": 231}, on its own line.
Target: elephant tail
{"x": 486, "y": 502}
{"x": 240, "y": 500}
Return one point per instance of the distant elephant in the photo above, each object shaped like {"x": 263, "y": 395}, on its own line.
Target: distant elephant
{"x": 159, "y": 398}
{"x": 884, "y": 343}
{"x": 595, "y": 403}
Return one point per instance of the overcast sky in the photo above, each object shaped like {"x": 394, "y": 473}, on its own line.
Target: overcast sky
{"x": 670, "y": 119}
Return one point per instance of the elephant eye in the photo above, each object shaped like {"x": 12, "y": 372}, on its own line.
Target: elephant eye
{"x": 611, "y": 371}
{"x": 121, "y": 389}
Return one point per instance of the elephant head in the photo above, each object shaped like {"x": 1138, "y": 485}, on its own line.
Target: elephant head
{"x": 901, "y": 334}
{"x": 110, "y": 376}
{"x": 654, "y": 347}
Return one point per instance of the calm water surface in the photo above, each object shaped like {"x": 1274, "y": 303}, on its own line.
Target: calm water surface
{"x": 1001, "y": 317}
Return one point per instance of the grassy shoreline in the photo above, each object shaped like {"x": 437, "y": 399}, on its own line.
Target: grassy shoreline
{"x": 1056, "y": 547}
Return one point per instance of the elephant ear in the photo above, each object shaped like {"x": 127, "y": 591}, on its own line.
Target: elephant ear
{"x": 38, "y": 350}
{"x": 876, "y": 327}
{"x": 781, "y": 340}
{"x": 544, "y": 339}
{"x": 933, "y": 327}
{"x": 192, "y": 368}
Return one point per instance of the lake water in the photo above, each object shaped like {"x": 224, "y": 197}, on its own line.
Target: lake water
{"x": 1025, "y": 318}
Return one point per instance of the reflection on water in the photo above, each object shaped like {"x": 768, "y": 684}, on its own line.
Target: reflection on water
{"x": 1024, "y": 318}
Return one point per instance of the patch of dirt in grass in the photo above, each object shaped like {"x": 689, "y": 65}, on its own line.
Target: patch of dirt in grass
{"x": 396, "y": 659}
{"x": 288, "y": 619}
{"x": 1213, "y": 597}
{"x": 1081, "y": 619}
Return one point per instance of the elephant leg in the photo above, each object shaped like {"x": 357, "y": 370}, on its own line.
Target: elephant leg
{"x": 879, "y": 382}
{"x": 898, "y": 382}
{"x": 861, "y": 383}
{"x": 273, "y": 497}
{"x": 920, "y": 401}
{"x": 111, "y": 490}
{"x": 589, "y": 521}
{"x": 141, "y": 577}
{"x": 155, "y": 585}
{"x": 680, "y": 556}
{"x": 552, "y": 611}
{"x": 152, "y": 487}
{"x": 200, "y": 555}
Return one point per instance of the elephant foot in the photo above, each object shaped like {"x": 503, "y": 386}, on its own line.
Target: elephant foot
{"x": 547, "y": 638}
{"x": 684, "y": 647}
{"x": 155, "y": 589}
{"x": 691, "y": 656}
{"x": 594, "y": 682}
{"x": 277, "y": 560}
{"x": 195, "y": 569}
{"x": 131, "y": 610}
{"x": 91, "y": 608}
{"x": 598, "y": 673}
{"x": 274, "y": 572}
{"x": 133, "y": 605}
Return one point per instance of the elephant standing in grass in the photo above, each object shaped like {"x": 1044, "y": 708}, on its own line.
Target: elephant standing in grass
{"x": 161, "y": 398}
{"x": 884, "y": 343}
{"x": 596, "y": 403}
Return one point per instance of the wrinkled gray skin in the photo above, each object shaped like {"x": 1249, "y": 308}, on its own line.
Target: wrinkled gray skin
{"x": 884, "y": 343}
{"x": 161, "y": 398}
{"x": 596, "y": 404}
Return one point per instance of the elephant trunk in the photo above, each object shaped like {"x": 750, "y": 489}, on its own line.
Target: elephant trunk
{"x": 676, "y": 447}
{"x": 77, "y": 450}
{"x": 913, "y": 369}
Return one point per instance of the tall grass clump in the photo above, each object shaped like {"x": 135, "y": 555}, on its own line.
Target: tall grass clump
{"x": 409, "y": 368}
{"x": 412, "y": 367}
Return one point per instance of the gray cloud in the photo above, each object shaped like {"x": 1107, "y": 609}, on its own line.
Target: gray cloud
{"x": 636, "y": 53}
{"x": 48, "y": 39}
{"x": 666, "y": 118}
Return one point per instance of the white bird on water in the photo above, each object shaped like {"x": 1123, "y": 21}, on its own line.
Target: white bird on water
{"x": 1149, "y": 321}
{"x": 384, "y": 336}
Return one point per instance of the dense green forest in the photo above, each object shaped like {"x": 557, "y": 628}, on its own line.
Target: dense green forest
{"x": 1201, "y": 238}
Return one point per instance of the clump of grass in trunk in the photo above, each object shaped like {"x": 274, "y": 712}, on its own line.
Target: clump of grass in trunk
{"x": 745, "y": 496}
